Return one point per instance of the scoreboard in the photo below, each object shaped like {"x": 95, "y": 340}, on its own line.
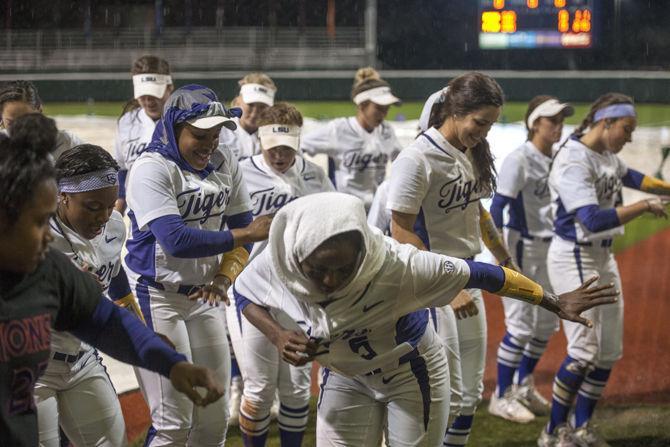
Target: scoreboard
{"x": 514, "y": 24}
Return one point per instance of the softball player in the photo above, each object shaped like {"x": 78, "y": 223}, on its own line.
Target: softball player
{"x": 18, "y": 98}
{"x": 434, "y": 197}
{"x": 274, "y": 178}
{"x": 360, "y": 297}
{"x": 378, "y": 215}
{"x": 152, "y": 84}
{"x": 522, "y": 185}
{"x": 181, "y": 193}
{"x": 359, "y": 147}
{"x": 75, "y": 389}
{"x": 257, "y": 93}
{"x": 585, "y": 182}
{"x": 42, "y": 289}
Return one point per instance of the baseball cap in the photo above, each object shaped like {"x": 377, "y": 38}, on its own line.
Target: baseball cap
{"x": 551, "y": 107}
{"x": 252, "y": 93}
{"x": 151, "y": 84}
{"x": 379, "y": 95}
{"x": 273, "y": 135}
{"x": 200, "y": 107}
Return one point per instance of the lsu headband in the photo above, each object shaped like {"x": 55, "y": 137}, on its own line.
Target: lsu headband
{"x": 615, "y": 111}
{"x": 90, "y": 181}
{"x": 273, "y": 135}
{"x": 151, "y": 84}
{"x": 378, "y": 95}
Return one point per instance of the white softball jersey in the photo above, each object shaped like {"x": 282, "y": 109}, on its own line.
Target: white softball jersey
{"x": 378, "y": 215}
{"x": 133, "y": 135}
{"x": 239, "y": 142}
{"x": 158, "y": 187}
{"x": 382, "y": 324}
{"x": 270, "y": 190}
{"x": 524, "y": 177}
{"x": 581, "y": 177}
{"x": 360, "y": 157}
{"x": 102, "y": 254}
{"x": 438, "y": 183}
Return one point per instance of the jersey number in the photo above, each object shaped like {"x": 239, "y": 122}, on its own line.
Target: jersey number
{"x": 23, "y": 383}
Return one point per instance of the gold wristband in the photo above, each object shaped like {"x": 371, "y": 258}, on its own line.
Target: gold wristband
{"x": 129, "y": 302}
{"x": 518, "y": 286}
{"x": 233, "y": 263}
{"x": 652, "y": 184}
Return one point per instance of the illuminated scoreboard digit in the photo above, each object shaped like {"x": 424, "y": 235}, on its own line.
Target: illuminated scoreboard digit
{"x": 510, "y": 24}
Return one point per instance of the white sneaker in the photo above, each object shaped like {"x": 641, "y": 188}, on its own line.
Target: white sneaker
{"x": 530, "y": 398}
{"x": 562, "y": 437}
{"x": 236, "y": 389}
{"x": 508, "y": 407}
{"x": 587, "y": 436}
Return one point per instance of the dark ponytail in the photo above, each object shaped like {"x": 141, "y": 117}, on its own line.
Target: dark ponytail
{"x": 25, "y": 162}
{"x": 466, "y": 94}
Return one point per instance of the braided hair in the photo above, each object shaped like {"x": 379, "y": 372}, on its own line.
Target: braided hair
{"x": 24, "y": 91}
{"x": 84, "y": 159}
{"x": 466, "y": 94}
{"x": 25, "y": 162}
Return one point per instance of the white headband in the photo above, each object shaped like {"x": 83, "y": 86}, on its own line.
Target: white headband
{"x": 549, "y": 108}
{"x": 378, "y": 95}
{"x": 274, "y": 135}
{"x": 151, "y": 84}
{"x": 90, "y": 181}
{"x": 437, "y": 97}
{"x": 251, "y": 93}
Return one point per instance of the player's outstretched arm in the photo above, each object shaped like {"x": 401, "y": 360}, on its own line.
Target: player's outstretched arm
{"x": 494, "y": 240}
{"x": 506, "y": 282}
{"x": 123, "y": 336}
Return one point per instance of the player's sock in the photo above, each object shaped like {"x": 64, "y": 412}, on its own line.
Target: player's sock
{"x": 292, "y": 424}
{"x": 589, "y": 394}
{"x": 459, "y": 432}
{"x": 509, "y": 356}
{"x": 531, "y": 356}
{"x": 566, "y": 384}
{"x": 254, "y": 425}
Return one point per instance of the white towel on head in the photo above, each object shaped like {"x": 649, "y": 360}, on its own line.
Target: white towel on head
{"x": 438, "y": 97}
{"x": 304, "y": 224}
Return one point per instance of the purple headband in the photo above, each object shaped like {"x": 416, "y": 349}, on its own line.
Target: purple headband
{"x": 614, "y": 111}
{"x": 90, "y": 181}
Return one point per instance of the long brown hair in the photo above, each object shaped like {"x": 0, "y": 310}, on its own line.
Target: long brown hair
{"x": 466, "y": 94}
{"x": 145, "y": 64}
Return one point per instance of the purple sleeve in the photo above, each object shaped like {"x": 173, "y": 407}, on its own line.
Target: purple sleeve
{"x": 123, "y": 173}
{"x": 497, "y": 206}
{"x": 241, "y": 221}
{"x": 241, "y": 301}
{"x": 119, "y": 286}
{"x": 595, "y": 219}
{"x": 120, "y": 334}
{"x": 180, "y": 241}
{"x": 633, "y": 179}
{"x": 485, "y": 276}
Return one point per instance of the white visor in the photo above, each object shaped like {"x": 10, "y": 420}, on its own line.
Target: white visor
{"x": 378, "y": 95}
{"x": 274, "y": 135}
{"x": 150, "y": 84}
{"x": 548, "y": 109}
{"x": 252, "y": 93}
{"x": 208, "y": 122}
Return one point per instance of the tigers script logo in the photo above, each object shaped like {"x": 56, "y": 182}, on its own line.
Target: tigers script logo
{"x": 360, "y": 162}
{"x": 458, "y": 193}
{"x": 195, "y": 205}
{"x": 266, "y": 200}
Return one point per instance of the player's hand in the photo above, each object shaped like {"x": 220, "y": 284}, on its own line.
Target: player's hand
{"x": 185, "y": 377}
{"x": 295, "y": 348}
{"x": 258, "y": 230}
{"x": 213, "y": 293}
{"x": 656, "y": 206}
{"x": 464, "y": 306}
{"x": 570, "y": 305}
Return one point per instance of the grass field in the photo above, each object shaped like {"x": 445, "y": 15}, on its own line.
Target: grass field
{"x": 649, "y": 114}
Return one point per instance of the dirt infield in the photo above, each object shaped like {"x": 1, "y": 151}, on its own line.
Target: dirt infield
{"x": 643, "y": 375}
